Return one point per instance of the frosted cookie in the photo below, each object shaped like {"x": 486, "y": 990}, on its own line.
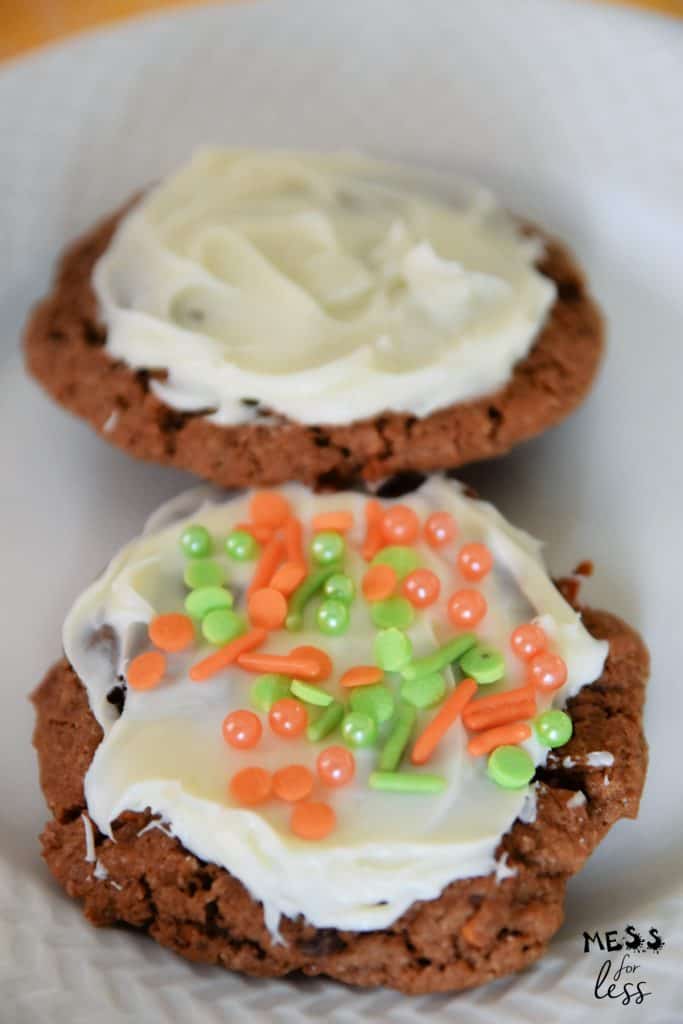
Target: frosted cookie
{"x": 262, "y": 317}
{"x": 331, "y": 734}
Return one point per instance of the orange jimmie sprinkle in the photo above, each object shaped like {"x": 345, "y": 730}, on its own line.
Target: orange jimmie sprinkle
{"x": 487, "y": 741}
{"x": 428, "y": 740}
{"x": 338, "y": 522}
{"x": 270, "y": 559}
{"x": 374, "y": 538}
{"x": 226, "y": 655}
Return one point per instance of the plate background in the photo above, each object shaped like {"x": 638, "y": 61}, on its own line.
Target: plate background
{"x": 572, "y": 112}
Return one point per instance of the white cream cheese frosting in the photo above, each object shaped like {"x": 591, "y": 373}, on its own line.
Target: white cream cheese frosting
{"x": 166, "y": 752}
{"x": 325, "y": 288}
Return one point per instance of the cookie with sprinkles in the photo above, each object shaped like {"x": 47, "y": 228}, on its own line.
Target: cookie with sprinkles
{"x": 340, "y": 763}
{"x": 261, "y": 317}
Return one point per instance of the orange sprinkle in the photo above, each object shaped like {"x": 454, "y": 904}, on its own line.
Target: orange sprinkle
{"x": 288, "y": 577}
{"x": 270, "y": 559}
{"x": 295, "y": 550}
{"x": 267, "y": 608}
{"x": 506, "y": 698}
{"x": 268, "y": 508}
{"x": 172, "y": 632}
{"x": 292, "y": 783}
{"x": 260, "y": 533}
{"x": 146, "y": 671}
{"x": 340, "y": 522}
{"x": 226, "y": 655}
{"x": 374, "y": 539}
{"x": 379, "y": 582}
{"x": 361, "y": 675}
{"x": 312, "y": 820}
{"x": 321, "y": 658}
{"x": 251, "y": 786}
{"x": 487, "y": 719}
{"x": 487, "y": 741}
{"x": 297, "y": 666}
{"x": 429, "y": 738}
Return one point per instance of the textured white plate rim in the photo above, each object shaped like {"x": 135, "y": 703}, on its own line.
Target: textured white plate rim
{"x": 67, "y": 154}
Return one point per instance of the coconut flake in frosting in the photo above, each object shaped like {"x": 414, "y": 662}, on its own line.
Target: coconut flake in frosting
{"x": 165, "y": 751}
{"x": 323, "y": 288}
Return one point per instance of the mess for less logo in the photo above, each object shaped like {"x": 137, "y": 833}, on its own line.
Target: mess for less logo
{"x": 622, "y": 979}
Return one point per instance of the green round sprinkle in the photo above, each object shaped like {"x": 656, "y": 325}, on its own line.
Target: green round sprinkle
{"x": 425, "y": 692}
{"x": 398, "y": 739}
{"x": 375, "y": 700}
{"x": 241, "y": 546}
{"x": 440, "y": 658}
{"x": 206, "y": 599}
{"x": 327, "y": 547}
{"x": 267, "y": 689}
{"x": 303, "y": 594}
{"x": 359, "y": 729}
{"x": 395, "y": 611}
{"x": 195, "y": 542}
{"x": 510, "y": 767}
{"x": 407, "y": 782}
{"x": 326, "y": 723}
{"x": 311, "y": 694}
{"x": 484, "y": 664}
{"x": 333, "y": 618}
{"x": 341, "y": 587}
{"x": 554, "y": 728}
{"x": 392, "y": 649}
{"x": 203, "y": 572}
{"x": 403, "y": 560}
{"x": 221, "y": 625}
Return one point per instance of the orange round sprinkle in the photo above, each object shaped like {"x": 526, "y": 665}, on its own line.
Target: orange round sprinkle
{"x": 268, "y": 508}
{"x": 294, "y": 782}
{"x": 172, "y": 632}
{"x": 528, "y": 640}
{"x": 312, "y": 820}
{"x": 321, "y": 658}
{"x": 338, "y": 522}
{"x": 362, "y": 675}
{"x": 242, "y": 729}
{"x": 474, "y": 561}
{"x": 288, "y": 577}
{"x": 400, "y": 525}
{"x": 288, "y": 718}
{"x": 467, "y": 608}
{"x": 251, "y": 786}
{"x": 547, "y": 671}
{"x": 422, "y": 588}
{"x": 379, "y": 582}
{"x": 440, "y": 529}
{"x": 267, "y": 608}
{"x": 146, "y": 671}
{"x": 336, "y": 766}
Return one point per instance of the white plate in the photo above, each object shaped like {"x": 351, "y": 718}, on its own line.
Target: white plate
{"x": 572, "y": 112}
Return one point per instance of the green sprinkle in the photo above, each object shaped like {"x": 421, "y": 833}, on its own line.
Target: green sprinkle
{"x": 554, "y": 728}
{"x": 203, "y": 572}
{"x": 395, "y": 611}
{"x": 510, "y": 767}
{"x": 267, "y": 689}
{"x": 333, "y": 617}
{"x": 311, "y": 694}
{"x": 206, "y": 599}
{"x": 425, "y": 692}
{"x": 375, "y": 700}
{"x": 221, "y": 625}
{"x": 359, "y": 729}
{"x": 440, "y": 658}
{"x": 241, "y": 546}
{"x": 403, "y": 560}
{"x": 407, "y": 782}
{"x": 327, "y": 547}
{"x": 392, "y": 649}
{"x": 327, "y": 723}
{"x": 303, "y": 594}
{"x": 195, "y": 542}
{"x": 398, "y": 739}
{"x": 340, "y": 587}
{"x": 484, "y": 664}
